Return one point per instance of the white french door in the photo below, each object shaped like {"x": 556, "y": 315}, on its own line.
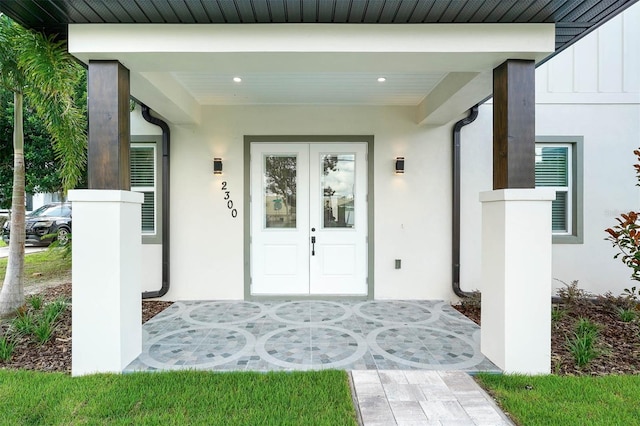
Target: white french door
{"x": 308, "y": 218}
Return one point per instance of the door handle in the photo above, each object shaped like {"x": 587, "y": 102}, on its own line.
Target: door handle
{"x": 313, "y": 246}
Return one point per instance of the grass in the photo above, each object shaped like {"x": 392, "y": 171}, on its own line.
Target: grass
{"x": 184, "y": 397}
{"x": 2, "y": 243}
{"x": 566, "y": 400}
{"x": 42, "y": 266}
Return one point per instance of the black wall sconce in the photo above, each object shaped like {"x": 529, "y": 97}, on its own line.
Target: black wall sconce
{"x": 217, "y": 166}
{"x": 399, "y": 165}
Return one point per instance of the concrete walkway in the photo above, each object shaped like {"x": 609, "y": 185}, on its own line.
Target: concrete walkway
{"x": 419, "y": 397}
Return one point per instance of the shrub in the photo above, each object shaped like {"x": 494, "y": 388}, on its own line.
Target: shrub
{"x": 581, "y": 345}
{"x": 473, "y": 301}
{"x": 35, "y": 301}
{"x": 40, "y": 322}
{"x": 52, "y": 310}
{"x": 24, "y": 323}
{"x": 626, "y": 315}
{"x": 43, "y": 331}
{"x": 7, "y": 345}
{"x": 571, "y": 294}
{"x": 625, "y": 236}
{"x": 557, "y": 313}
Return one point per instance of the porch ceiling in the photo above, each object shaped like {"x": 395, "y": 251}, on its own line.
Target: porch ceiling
{"x": 441, "y": 70}
{"x": 335, "y": 88}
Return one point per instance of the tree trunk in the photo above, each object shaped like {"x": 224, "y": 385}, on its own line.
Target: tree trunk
{"x": 12, "y": 293}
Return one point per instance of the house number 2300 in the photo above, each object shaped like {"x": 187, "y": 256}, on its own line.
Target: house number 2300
{"x": 227, "y": 197}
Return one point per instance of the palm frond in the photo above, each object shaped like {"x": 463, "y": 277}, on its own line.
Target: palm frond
{"x": 50, "y": 78}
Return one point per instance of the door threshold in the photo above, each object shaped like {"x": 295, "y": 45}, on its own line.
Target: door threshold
{"x": 296, "y": 297}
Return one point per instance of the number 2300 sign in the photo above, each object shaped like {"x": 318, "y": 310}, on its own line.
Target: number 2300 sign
{"x": 227, "y": 197}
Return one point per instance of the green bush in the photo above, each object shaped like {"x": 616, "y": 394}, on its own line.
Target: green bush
{"x": 626, "y": 315}
{"x": 557, "y": 313}
{"x": 52, "y": 310}
{"x": 40, "y": 321}
{"x": 35, "y": 301}
{"x": 625, "y": 236}
{"x": 43, "y": 331}
{"x": 582, "y": 344}
{"x": 7, "y": 345}
{"x": 24, "y": 323}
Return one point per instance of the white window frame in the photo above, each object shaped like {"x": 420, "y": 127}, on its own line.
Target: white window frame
{"x": 574, "y": 189}
{"x": 153, "y": 188}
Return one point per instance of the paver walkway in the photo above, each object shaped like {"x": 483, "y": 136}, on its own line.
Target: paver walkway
{"x": 418, "y": 397}
{"x": 408, "y": 359}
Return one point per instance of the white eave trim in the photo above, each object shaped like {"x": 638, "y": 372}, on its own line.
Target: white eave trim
{"x": 416, "y": 38}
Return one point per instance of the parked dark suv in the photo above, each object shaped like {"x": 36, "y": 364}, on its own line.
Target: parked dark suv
{"x": 54, "y": 218}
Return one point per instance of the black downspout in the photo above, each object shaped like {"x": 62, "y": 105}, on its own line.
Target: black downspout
{"x": 455, "y": 231}
{"x": 166, "y": 138}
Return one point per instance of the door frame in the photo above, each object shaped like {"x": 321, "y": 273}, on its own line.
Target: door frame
{"x": 248, "y": 140}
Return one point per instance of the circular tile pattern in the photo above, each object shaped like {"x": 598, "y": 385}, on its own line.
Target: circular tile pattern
{"x": 424, "y": 347}
{"x": 396, "y": 312}
{"x": 175, "y": 310}
{"x": 224, "y": 313}
{"x": 198, "y": 348}
{"x": 313, "y": 312}
{"x": 311, "y": 347}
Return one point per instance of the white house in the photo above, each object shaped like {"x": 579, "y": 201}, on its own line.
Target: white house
{"x": 587, "y": 103}
{"x": 310, "y": 154}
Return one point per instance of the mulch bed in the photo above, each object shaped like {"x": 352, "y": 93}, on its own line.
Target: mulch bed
{"x": 618, "y": 342}
{"x": 55, "y": 355}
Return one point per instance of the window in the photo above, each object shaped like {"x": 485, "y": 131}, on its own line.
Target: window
{"x": 143, "y": 179}
{"x": 559, "y": 167}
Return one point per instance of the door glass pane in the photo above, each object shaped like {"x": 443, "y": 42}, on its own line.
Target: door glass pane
{"x": 337, "y": 185}
{"x": 280, "y": 191}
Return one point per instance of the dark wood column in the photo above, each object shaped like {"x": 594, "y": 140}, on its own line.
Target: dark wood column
{"x": 514, "y": 125}
{"x": 109, "y": 126}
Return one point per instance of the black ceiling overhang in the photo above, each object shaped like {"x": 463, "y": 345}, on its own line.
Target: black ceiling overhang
{"x": 573, "y": 18}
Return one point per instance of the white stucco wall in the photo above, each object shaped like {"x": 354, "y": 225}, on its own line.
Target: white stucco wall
{"x": 412, "y": 220}
{"x": 151, "y": 253}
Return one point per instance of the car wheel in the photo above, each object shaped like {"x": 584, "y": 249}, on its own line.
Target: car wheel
{"x": 63, "y": 237}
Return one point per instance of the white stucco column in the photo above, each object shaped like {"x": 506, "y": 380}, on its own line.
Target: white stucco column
{"x": 107, "y": 305}
{"x": 516, "y": 279}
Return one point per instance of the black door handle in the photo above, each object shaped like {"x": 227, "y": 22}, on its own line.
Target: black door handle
{"x": 313, "y": 246}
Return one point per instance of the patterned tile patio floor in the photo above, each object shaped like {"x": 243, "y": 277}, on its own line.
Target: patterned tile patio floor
{"x": 311, "y": 335}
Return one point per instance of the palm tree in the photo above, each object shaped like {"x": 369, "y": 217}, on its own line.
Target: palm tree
{"x": 40, "y": 68}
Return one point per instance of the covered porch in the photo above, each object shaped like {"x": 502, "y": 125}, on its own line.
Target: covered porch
{"x": 311, "y": 335}
{"x": 336, "y": 71}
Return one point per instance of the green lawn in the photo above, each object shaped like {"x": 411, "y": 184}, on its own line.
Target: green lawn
{"x": 566, "y": 400}
{"x": 2, "y": 243}
{"x": 42, "y": 266}
{"x": 188, "y": 397}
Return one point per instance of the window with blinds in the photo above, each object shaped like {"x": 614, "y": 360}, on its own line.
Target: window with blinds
{"x": 143, "y": 179}
{"x": 553, "y": 170}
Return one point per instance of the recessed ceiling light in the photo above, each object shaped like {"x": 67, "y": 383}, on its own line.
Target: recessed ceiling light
{"x": 237, "y": 79}
{"x": 381, "y": 79}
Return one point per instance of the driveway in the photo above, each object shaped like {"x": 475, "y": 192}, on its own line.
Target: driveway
{"x": 4, "y": 251}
